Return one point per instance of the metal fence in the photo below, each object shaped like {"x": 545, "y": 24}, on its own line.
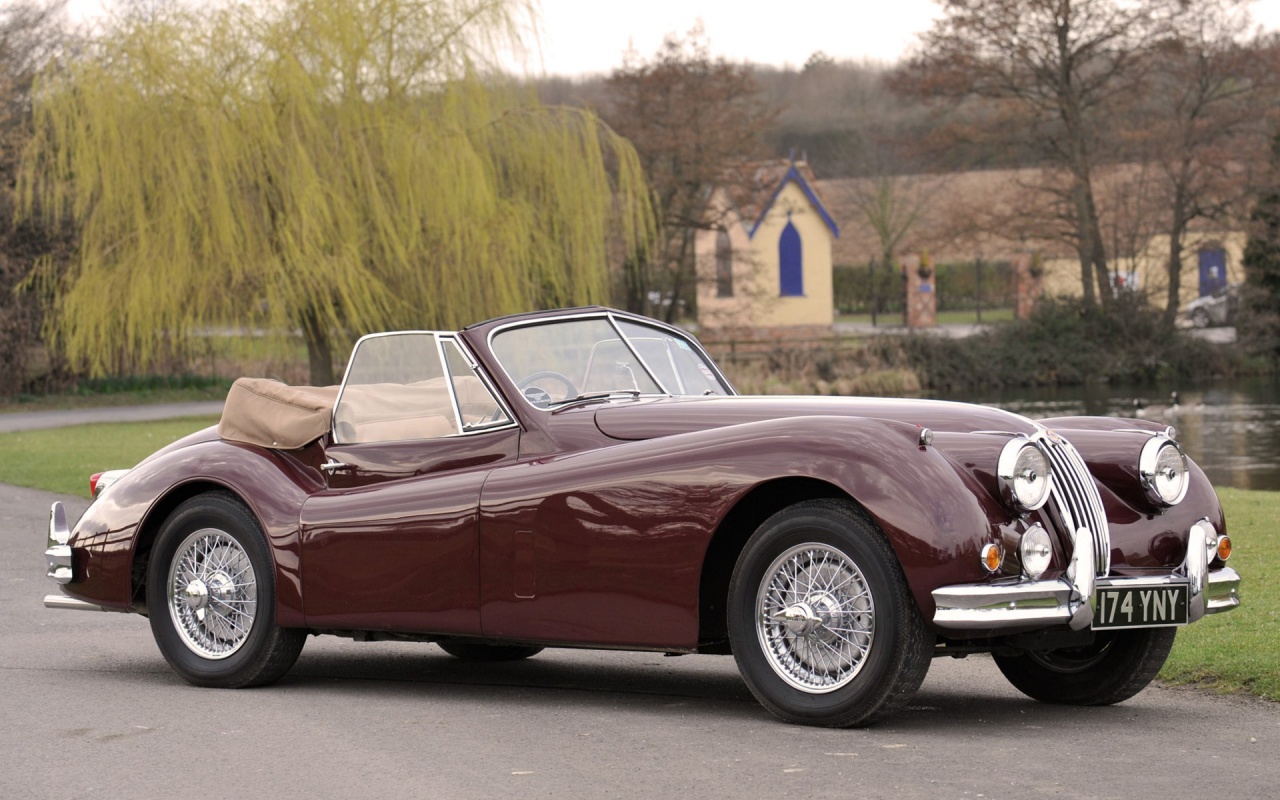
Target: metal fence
{"x": 873, "y": 288}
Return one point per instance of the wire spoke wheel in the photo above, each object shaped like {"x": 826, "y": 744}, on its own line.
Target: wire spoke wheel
{"x": 212, "y": 593}
{"x": 821, "y": 620}
{"x": 815, "y": 618}
{"x": 211, "y": 596}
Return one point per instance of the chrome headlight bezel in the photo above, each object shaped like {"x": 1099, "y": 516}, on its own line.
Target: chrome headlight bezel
{"x": 1159, "y": 455}
{"x": 1011, "y": 474}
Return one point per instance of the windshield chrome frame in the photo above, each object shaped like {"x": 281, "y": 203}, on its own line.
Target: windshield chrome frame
{"x": 612, "y": 319}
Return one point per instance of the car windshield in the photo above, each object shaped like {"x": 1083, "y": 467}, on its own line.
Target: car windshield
{"x": 557, "y": 362}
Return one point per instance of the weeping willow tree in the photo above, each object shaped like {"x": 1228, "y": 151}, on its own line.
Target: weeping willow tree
{"x": 328, "y": 167}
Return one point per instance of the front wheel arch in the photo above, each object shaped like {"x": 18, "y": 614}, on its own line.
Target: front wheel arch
{"x": 730, "y": 537}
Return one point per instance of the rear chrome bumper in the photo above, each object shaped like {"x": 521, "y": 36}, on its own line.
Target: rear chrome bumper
{"x": 58, "y": 553}
{"x": 58, "y": 556}
{"x": 1040, "y": 603}
{"x": 69, "y": 603}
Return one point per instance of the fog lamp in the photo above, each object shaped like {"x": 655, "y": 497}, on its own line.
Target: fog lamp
{"x": 1036, "y": 551}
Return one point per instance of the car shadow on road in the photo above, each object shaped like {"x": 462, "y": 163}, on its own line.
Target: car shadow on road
{"x": 649, "y": 683}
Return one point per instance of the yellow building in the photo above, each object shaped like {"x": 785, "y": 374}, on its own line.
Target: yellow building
{"x": 766, "y": 262}
{"x": 1210, "y": 260}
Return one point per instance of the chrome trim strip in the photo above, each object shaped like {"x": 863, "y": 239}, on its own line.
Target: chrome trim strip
{"x": 653, "y": 376}
{"x": 988, "y": 606}
{"x": 448, "y": 385}
{"x": 58, "y": 554}
{"x": 478, "y": 369}
{"x": 61, "y": 601}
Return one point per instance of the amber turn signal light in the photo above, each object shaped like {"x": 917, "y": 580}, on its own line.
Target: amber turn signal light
{"x": 992, "y": 556}
{"x": 1224, "y": 548}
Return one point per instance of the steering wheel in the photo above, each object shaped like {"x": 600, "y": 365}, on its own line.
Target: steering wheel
{"x": 539, "y": 396}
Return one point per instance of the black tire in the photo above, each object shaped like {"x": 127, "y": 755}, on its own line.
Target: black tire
{"x": 479, "y": 651}
{"x": 1114, "y": 668}
{"x": 232, "y": 575}
{"x": 816, "y": 675}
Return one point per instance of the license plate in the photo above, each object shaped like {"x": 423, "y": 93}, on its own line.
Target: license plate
{"x": 1141, "y": 606}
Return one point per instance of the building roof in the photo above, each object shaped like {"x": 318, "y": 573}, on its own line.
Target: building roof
{"x": 754, "y": 197}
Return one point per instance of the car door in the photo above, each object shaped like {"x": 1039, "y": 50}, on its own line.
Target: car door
{"x": 392, "y": 543}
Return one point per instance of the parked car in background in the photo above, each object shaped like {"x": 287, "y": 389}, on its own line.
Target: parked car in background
{"x": 589, "y": 478}
{"x": 1216, "y": 309}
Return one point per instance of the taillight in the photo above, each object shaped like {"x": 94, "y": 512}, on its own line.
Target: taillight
{"x": 93, "y": 484}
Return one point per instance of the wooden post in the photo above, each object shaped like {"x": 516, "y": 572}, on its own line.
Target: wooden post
{"x": 1028, "y": 283}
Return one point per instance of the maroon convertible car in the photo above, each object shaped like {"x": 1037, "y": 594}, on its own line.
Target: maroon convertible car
{"x": 589, "y": 478}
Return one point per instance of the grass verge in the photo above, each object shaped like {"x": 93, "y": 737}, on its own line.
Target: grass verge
{"x": 1239, "y": 651}
{"x": 62, "y": 459}
{"x": 989, "y": 315}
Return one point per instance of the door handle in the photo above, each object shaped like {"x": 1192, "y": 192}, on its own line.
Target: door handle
{"x": 331, "y": 465}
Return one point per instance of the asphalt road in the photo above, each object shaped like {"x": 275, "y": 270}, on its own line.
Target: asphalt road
{"x": 33, "y": 420}
{"x": 90, "y": 709}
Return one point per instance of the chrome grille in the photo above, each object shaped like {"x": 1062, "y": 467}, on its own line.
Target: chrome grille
{"x": 1076, "y": 499}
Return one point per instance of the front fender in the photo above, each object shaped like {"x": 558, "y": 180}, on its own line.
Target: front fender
{"x": 662, "y": 501}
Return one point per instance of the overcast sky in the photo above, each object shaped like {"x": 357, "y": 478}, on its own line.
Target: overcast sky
{"x": 586, "y": 36}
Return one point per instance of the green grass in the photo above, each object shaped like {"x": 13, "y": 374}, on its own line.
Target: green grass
{"x": 1234, "y": 652}
{"x": 62, "y": 459}
{"x": 1239, "y": 651}
{"x": 944, "y": 317}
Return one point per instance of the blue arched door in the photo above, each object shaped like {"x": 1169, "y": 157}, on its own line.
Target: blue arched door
{"x": 790, "y": 262}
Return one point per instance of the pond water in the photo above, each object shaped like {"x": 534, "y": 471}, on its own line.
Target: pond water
{"x": 1231, "y": 430}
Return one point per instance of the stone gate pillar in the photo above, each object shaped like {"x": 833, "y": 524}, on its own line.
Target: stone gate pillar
{"x": 1028, "y": 277}
{"x": 922, "y": 291}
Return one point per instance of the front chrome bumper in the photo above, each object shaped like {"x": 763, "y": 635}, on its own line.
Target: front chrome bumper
{"x": 1038, "y": 603}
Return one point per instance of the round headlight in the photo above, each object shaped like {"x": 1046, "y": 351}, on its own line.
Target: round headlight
{"x": 1162, "y": 467}
{"x": 1036, "y": 551}
{"x": 1023, "y": 473}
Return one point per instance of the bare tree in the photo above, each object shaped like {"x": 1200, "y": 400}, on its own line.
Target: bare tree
{"x": 696, "y": 122}
{"x": 1053, "y": 73}
{"x": 1205, "y": 119}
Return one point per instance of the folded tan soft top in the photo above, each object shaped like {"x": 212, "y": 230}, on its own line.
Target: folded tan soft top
{"x": 272, "y": 414}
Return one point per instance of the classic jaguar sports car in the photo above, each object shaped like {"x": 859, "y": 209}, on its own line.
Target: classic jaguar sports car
{"x": 589, "y": 478}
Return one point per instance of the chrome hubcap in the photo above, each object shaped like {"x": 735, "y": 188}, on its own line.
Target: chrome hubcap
{"x": 213, "y": 593}
{"x": 815, "y": 618}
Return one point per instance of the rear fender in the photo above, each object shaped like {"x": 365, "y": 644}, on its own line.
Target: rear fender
{"x": 113, "y": 539}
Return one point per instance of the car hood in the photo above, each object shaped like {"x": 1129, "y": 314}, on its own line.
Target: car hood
{"x": 670, "y": 416}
